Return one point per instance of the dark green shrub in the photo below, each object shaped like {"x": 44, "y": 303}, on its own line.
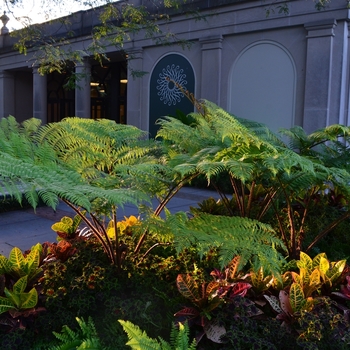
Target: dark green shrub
{"x": 324, "y": 328}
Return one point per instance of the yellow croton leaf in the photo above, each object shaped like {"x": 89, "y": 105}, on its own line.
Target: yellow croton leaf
{"x": 131, "y": 220}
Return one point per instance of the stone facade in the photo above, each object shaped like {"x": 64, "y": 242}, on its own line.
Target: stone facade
{"x": 280, "y": 69}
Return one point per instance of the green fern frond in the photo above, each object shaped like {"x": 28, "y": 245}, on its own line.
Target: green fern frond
{"x": 52, "y": 183}
{"x": 84, "y": 338}
{"x": 330, "y": 133}
{"x": 297, "y": 136}
{"x": 179, "y": 337}
{"x": 138, "y": 340}
{"x": 230, "y": 235}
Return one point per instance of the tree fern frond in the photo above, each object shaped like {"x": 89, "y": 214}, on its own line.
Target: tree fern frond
{"x": 31, "y": 196}
{"x": 261, "y": 130}
{"x": 230, "y": 235}
{"x": 331, "y": 133}
{"x": 240, "y": 170}
{"x": 297, "y": 136}
{"x": 10, "y": 188}
{"x": 31, "y": 126}
{"x": 54, "y": 181}
{"x": 210, "y": 169}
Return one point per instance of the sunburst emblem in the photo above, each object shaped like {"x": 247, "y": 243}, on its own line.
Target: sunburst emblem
{"x": 168, "y": 92}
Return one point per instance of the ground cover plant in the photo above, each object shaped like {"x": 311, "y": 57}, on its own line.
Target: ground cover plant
{"x": 240, "y": 272}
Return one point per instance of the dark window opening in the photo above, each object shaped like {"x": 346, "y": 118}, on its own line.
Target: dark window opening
{"x": 108, "y": 91}
{"x": 60, "y": 101}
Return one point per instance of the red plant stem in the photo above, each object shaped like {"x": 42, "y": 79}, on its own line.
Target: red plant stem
{"x": 151, "y": 248}
{"x": 291, "y": 222}
{"x": 224, "y": 199}
{"x": 236, "y": 194}
{"x": 250, "y": 198}
{"x": 116, "y": 236}
{"x": 266, "y": 203}
{"x": 105, "y": 235}
{"x": 283, "y": 233}
{"x": 329, "y": 228}
{"x": 243, "y": 199}
{"x": 303, "y": 219}
{"x": 94, "y": 229}
{"x": 172, "y": 192}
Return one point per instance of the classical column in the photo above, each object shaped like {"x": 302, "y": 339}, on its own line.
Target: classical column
{"x": 82, "y": 90}
{"x": 319, "y": 74}
{"x": 39, "y": 95}
{"x": 134, "y": 96}
{"x": 7, "y": 94}
{"x": 211, "y": 68}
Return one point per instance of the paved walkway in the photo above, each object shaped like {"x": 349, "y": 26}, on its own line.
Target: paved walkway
{"x": 25, "y": 228}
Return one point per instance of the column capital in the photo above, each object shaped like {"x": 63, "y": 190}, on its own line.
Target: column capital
{"x": 6, "y": 74}
{"x": 84, "y": 62}
{"x": 211, "y": 42}
{"x": 320, "y": 28}
{"x": 134, "y": 53}
{"x": 35, "y": 70}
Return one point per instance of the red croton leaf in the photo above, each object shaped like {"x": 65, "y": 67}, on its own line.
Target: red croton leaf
{"x": 240, "y": 288}
{"x": 189, "y": 312}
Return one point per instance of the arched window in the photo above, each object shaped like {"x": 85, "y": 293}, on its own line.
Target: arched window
{"x": 262, "y": 85}
{"x": 171, "y": 76}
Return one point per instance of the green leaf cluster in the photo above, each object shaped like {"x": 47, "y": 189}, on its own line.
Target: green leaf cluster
{"x": 17, "y": 299}
{"x": 303, "y": 293}
{"x": 67, "y": 226}
{"x": 17, "y": 265}
{"x": 316, "y": 272}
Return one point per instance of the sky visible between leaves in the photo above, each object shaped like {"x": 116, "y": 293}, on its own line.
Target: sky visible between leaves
{"x": 38, "y": 11}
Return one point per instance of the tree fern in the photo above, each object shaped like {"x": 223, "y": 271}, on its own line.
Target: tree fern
{"x": 330, "y": 144}
{"x": 111, "y": 155}
{"x": 219, "y": 143}
{"x": 84, "y": 162}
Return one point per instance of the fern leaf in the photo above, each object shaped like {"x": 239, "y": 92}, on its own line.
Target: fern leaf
{"x": 231, "y": 235}
{"x": 138, "y": 340}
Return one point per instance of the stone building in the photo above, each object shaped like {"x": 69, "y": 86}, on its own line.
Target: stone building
{"x": 281, "y": 69}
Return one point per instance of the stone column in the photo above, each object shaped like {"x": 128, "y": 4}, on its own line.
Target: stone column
{"x": 211, "y": 68}
{"x": 7, "y": 94}
{"x": 134, "y": 95}
{"x": 82, "y": 90}
{"x": 39, "y": 95}
{"x": 319, "y": 74}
